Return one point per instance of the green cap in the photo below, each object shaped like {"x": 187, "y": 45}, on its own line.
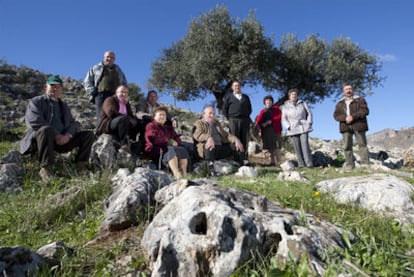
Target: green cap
{"x": 54, "y": 80}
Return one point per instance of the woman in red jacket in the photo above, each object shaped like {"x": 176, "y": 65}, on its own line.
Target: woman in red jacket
{"x": 161, "y": 141}
{"x": 269, "y": 122}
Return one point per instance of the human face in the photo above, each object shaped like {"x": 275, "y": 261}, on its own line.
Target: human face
{"x": 54, "y": 91}
{"x": 160, "y": 117}
{"x": 209, "y": 115}
{"x": 152, "y": 98}
{"x": 293, "y": 96}
{"x": 236, "y": 87}
{"x": 348, "y": 91}
{"x": 268, "y": 103}
{"x": 109, "y": 58}
{"x": 122, "y": 93}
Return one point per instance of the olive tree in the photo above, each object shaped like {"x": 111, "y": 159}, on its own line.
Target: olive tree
{"x": 319, "y": 69}
{"x": 217, "y": 50}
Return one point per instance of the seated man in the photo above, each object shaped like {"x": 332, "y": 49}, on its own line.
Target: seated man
{"x": 52, "y": 128}
{"x": 212, "y": 141}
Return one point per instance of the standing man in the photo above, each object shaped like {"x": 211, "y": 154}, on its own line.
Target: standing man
{"x": 237, "y": 109}
{"x": 351, "y": 112}
{"x": 102, "y": 80}
{"x": 52, "y": 128}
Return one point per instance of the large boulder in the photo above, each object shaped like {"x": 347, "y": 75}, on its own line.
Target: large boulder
{"x": 208, "y": 230}
{"x": 131, "y": 196}
{"x": 385, "y": 194}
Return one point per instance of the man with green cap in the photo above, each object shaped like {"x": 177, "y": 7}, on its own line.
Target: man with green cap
{"x": 52, "y": 128}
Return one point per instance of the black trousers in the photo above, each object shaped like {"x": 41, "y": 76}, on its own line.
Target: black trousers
{"x": 120, "y": 128}
{"x": 240, "y": 127}
{"x": 219, "y": 152}
{"x": 46, "y": 146}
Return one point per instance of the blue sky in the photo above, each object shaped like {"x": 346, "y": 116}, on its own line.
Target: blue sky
{"x": 67, "y": 37}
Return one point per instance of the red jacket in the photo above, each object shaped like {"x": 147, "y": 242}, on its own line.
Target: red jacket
{"x": 276, "y": 117}
{"x": 157, "y": 137}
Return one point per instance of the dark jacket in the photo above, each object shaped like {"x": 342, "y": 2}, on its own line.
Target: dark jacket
{"x": 39, "y": 113}
{"x": 233, "y": 107}
{"x": 157, "y": 137}
{"x": 358, "y": 109}
{"x": 110, "y": 110}
{"x": 202, "y": 132}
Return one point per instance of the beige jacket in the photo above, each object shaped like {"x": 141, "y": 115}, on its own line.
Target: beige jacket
{"x": 202, "y": 132}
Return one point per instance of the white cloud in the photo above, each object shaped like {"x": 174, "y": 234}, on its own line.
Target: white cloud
{"x": 388, "y": 58}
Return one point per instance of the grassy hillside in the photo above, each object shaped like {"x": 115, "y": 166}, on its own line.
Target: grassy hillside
{"x": 35, "y": 217}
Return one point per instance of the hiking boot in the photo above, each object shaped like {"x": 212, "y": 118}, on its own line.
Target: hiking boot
{"x": 212, "y": 171}
{"x": 125, "y": 148}
{"x": 46, "y": 176}
{"x": 81, "y": 168}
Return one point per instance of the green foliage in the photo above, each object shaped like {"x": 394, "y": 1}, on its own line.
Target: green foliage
{"x": 217, "y": 50}
{"x": 373, "y": 246}
{"x": 135, "y": 95}
{"x": 319, "y": 69}
{"x": 378, "y": 245}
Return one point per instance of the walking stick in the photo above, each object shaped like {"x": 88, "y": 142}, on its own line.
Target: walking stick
{"x": 160, "y": 160}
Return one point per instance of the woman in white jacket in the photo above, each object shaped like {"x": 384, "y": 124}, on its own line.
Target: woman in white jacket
{"x": 297, "y": 120}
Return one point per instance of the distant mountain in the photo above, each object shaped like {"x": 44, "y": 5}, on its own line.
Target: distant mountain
{"x": 392, "y": 140}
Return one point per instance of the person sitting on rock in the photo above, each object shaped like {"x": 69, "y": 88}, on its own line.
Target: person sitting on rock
{"x": 52, "y": 128}
{"x": 117, "y": 119}
{"x": 164, "y": 144}
{"x": 212, "y": 142}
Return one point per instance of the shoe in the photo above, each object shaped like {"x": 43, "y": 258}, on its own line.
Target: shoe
{"x": 125, "y": 148}
{"x": 212, "y": 171}
{"x": 81, "y": 168}
{"x": 46, "y": 176}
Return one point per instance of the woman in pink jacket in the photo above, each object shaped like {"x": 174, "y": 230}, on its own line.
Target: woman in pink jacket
{"x": 269, "y": 122}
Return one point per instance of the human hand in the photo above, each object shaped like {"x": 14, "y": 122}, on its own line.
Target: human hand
{"x": 210, "y": 145}
{"x": 92, "y": 97}
{"x": 349, "y": 119}
{"x": 239, "y": 146}
{"x": 62, "y": 139}
{"x": 133, "y": 121}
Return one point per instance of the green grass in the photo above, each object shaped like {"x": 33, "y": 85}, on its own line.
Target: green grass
{"x": 35, "y": 217}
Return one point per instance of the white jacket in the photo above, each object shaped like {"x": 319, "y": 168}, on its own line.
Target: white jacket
{"x": 296, "y": 118}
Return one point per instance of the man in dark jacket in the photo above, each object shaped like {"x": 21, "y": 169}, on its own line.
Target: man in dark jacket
{"x": 351, "y": 112}
{"x": 52, "y": 128}
{"x": 237, "y": 109}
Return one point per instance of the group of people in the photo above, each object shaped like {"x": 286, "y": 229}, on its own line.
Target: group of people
{"x": 351, "y": 112}
{"x": 52, "y": 127}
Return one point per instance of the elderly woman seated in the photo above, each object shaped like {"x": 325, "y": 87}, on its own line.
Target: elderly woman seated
{"x": 162, "y": 142}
